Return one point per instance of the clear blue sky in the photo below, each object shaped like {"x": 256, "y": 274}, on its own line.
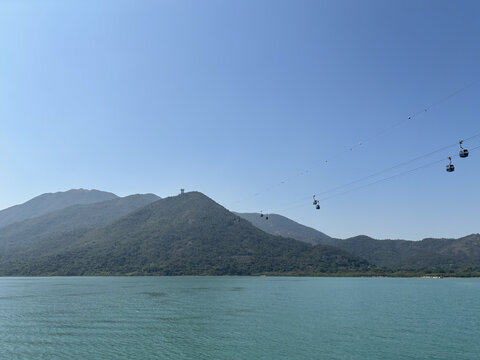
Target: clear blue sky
{"x": 232, "y": 97}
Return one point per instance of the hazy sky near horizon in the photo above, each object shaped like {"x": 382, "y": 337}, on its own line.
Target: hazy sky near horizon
{"x": 232, "y": 98}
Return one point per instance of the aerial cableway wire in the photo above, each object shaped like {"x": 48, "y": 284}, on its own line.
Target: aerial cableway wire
{"x": 414, "y": 115}
{"x": 303, "y": 201}
{"x": 390, "y": 168}
{"x": 393, "y": 176}
{"x": 360, "y": 143}
{"x": 400, "y": 122}
{"x": 396, "y": 166}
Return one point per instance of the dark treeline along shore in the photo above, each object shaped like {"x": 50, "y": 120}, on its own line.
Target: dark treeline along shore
{"x": 91, "y": 232}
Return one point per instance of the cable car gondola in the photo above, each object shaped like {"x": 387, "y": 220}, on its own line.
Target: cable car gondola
{"x": 450, "y": 167}
{"x": 316, "y": 203}
{"x": 463, "y": 152}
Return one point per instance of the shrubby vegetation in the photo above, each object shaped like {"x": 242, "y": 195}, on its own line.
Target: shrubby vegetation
{"x": 283, "y": 226}
{"x": 184, "y": 235}
{"x": 443, "y": 256}
{"x": 51, "y": 202}
{"x": 56, "y": 230}
{"x": 458, "y": 257}
{"x": 192, "y": 235}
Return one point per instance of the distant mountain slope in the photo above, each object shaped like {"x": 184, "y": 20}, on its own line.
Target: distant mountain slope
{"x": 440, "y": 254}
{"x": 283, "y": 226}
{"x": 56, "y": 230}
{"x": 46, "y": 203}
{"x": 185, "y": 234}
{"x": 445, "y": 254}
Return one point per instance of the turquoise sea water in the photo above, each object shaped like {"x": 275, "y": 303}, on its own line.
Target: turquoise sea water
{"x": 239, "y": 318}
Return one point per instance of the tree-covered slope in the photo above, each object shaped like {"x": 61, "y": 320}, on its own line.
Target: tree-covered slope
{"x": 56, "y": 230}
{"x": 186, "y": 234}
{"x": 442, "y": 254}
{"x": 46, "y": 203}
{"x": 283, "y": 226}
{"x": 191, "y": 234}
{"x": 428, "y": 254}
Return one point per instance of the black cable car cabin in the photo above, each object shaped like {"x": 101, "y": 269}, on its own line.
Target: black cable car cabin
{"x": 463, "y": 153}
{"x": 450, "y": 167}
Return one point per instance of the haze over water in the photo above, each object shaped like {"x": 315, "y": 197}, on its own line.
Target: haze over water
{"x": 239, "y": 318}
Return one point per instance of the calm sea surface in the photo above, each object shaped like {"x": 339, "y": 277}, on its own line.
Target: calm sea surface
{"x": 239, "y": 318}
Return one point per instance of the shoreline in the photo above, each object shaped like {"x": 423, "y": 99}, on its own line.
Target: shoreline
{"x": 363, "y": 276}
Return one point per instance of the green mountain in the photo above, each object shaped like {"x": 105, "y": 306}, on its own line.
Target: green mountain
{"x": 186, "y": 234}
{"x": 441, "y": 255}
{"x": 283, "y": 226}
{"x": 191, "y": 234}
{"x": 56, "y": 230}
{"x": 46, "y": 203}
{"x": 435, "y": 254}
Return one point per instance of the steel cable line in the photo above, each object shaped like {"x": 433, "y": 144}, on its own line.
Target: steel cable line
{"x": 391, "y": 168}
{"x": 393, "y": 176}
{"x": 448, "y": 97}
{"x": 400, "y": 122}
{"x": 363, "y": 186}
{"x": 360, "y": 143}
{"x": 396, "y": 166}
{"x": 303, "y": 201}
{"x": 385, "y": 179}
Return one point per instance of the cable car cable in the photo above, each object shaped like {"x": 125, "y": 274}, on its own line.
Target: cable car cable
{"x": 391, "y": 168}
{"x": 360, "y": 143}
{"x": 398, "y": 165}
{"x": 369, "y": 184}
{"x": 381, "y": 132}
{"x": 391, "y": 177}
